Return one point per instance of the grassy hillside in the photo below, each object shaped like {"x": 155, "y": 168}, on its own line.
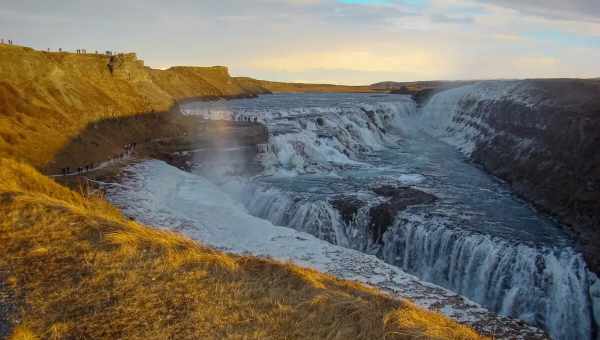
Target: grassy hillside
{"x": 47, "y": 99}
{"x": 78, "y": 269}
{"x": 72, "y": 266}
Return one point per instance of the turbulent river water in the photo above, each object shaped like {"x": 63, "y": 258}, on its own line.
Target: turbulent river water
{"x": 477, "y": 238}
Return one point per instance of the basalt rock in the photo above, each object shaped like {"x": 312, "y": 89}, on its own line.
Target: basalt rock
{"x": 379, "y": 216}
{"x": 348, "y": 207}
{"x": 398, "y": 199}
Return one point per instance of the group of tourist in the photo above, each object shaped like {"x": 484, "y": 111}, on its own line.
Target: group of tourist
{"x": 84, "y": 51}
{"x": 263, "y": 148}
{"x": 128, "y": 149}
{"x": 67, "y": 171}
{"x": 78, "y": 51}
{"x": 244, "y": 118}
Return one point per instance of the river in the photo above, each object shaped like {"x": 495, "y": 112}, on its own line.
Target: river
{"x": 475, "y": 238}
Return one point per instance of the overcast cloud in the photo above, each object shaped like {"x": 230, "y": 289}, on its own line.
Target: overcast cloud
{"x": 341, "y": 41}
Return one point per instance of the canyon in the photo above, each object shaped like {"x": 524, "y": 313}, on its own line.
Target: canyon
{"x": 478, "y": 199}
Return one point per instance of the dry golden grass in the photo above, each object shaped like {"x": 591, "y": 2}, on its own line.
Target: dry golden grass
{"x": 79, "y": 269}
{"x": 320, "y": 88}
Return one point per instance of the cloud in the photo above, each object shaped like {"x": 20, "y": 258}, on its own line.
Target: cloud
{"x": 443, "y": 18}
{"x": 346, "y": 41}
{"x": 554, "y": 9}
{"x": 365, "y": 2}
{"x": 405, "y": 60}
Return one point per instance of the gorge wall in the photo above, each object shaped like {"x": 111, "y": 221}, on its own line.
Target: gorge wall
{"x": 541, "y": 136}
{"x": 48, "y": 100}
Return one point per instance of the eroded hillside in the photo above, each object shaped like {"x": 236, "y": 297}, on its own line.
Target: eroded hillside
{"x": 47, "y": 99}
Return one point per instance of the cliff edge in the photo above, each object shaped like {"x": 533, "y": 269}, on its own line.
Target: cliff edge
{"x": 47, "y": 99}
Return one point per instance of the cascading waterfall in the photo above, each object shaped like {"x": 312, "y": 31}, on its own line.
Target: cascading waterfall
{"x": 539, "y": 283}
{"x": 314, "y": 217}
{"x": 318, "y": 137}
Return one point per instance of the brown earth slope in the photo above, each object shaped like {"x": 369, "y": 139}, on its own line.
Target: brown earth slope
{"x": 76, "y": 268}
{"x": 47, "y": 99}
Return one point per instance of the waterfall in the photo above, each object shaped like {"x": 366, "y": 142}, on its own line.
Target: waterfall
{"x": 540, "y": 284}
{"x": 315, "y": 138}
{"x": 314, "y": 217}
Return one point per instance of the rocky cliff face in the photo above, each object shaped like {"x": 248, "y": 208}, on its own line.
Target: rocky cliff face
{"x": 542, "y": 136}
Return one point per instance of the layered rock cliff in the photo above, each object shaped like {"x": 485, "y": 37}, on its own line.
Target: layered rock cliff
{"x": 542, "y": 136}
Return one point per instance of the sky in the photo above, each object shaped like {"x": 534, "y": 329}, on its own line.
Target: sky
{"x": 331, "y": 41}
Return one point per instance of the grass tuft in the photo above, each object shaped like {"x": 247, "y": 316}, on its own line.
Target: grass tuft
{"x": 23, "y": 333}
